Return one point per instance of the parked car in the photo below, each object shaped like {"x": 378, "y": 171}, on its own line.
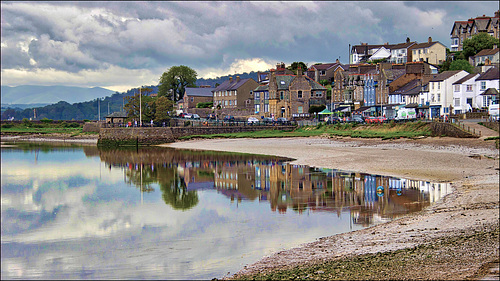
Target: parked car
{"x": 195, "y": 116}
{"x": 371, "y": 120}
{"x": 357, "y": 119}
{"x": 268, "y": 120}
{"x": 181, "y": 115}
{"x": 187, "y": 115}
{"x": 282, "y": 120}
{"x": 382, "y": 119}
{"x": 211, "y": 116}
{"x": 333, "y": 120}
{"x": 252, "y": 120}
{"x": 228, "y": 118}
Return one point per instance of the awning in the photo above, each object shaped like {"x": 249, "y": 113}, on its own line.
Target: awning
{"x": 411, "y": 105}
{"x": 325, "y": 111}
{"x": 490, "y": 92}
{"x": 342, "y": 109}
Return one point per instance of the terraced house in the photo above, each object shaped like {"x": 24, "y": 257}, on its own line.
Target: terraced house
{"x": 462, "y": 30}
{"x": 234, "y": 93}
{"x": 288, "y": 95}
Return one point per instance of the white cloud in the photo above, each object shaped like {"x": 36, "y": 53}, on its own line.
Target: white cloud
{"x": 238, "y": 66}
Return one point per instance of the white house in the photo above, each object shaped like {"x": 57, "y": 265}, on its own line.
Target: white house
{"x": 465, "y": 94}
{"x": 485, "y": 81}
{"x": 381, "y": 53}
{"x": 441, "y": 91}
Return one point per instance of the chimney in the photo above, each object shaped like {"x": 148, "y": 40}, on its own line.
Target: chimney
{"x": 230, "y": 79}
{"x": 386, "y": 43}
{"x": 299, "y": 71}
{"x": 407, "y": 39}
{"x": 430, "y": 39}
{"x": 337, "y": 61}
{"x": 237, "y": 79}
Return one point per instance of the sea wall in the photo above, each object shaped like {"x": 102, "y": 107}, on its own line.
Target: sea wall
{"x": 449, "y": 130}
{"x": 158, "y": 135}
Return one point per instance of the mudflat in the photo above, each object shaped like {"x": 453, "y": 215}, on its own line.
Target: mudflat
{"x": 454, "y": 238}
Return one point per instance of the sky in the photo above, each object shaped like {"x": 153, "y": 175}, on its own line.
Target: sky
{"x": 122, "y": 45}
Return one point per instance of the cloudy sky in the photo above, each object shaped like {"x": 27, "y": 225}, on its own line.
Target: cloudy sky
{"x": 120, "y": 45}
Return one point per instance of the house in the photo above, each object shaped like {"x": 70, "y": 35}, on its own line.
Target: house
{"x": 465, "y": 94}
{"x": 441, "y": 92}
{"x": 395, "y": 53}
{"x": 193, "y": 96}
{"x": 462, "y": 30}
{"x": 486, "y": 56}
{"x": 323, "y": 71}
{"x": 288, "y": 95}
{"x": 486, "y": 84}
{"x": 234, "y": 93}
{"x": 399, "y": 52}
{"x": 116, "y": 117}
{"x": 432, "y": 52}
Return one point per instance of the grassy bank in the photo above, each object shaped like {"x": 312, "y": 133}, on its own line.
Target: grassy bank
{"x": 45, "y": 127}
{"x": 405, "y": 264}
{"x": 384, "y": 131}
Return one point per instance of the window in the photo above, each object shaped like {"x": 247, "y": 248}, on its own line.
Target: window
{"x": 266, "y": 107}
{"x": 414, "y": 52}
{"x": 322, "y": 72}
{"x": 225, "y": 102}
{"x": 425, "y": 51}
{"x": 419, "y": 52}
{"x": 469, "y": 88}
{"x": 230, "y": 102}
{"x": 438, "y": 97}
{"x": 483, "y": 85}
{"x": 257, "y": 108}
{"x": 457, "y": 88}
{"x": 299, "y": 95}
{"x": 300, "y": 110}
{"x": 439, "y": 85}
{"x": 225, "y": 94}
{"x": 235, "y": 101}
{"x": 230, "y": 93}
{"x": 192, "y": 99}
{"x": 282, "y": 95}
{"x": 432, "y": 98}
{"x": 457, "y": 102}
{"x": 257, "y": 95}
{"x": 266, "y": 95}
{"x": 235, "y": 93}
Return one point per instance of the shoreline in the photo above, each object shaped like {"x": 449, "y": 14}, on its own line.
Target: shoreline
{"x": 471, "y": 165}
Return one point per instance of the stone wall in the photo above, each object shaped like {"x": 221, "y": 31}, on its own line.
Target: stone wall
{"x": 449, "y": 130}
{"x": 158, "y": 135}
{"x": 92, "y": 127}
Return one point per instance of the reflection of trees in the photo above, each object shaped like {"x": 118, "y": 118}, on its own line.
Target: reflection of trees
{"x": 175, "y": 194}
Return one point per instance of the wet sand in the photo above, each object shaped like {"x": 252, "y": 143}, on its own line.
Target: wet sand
{"x": 471, "y": 165}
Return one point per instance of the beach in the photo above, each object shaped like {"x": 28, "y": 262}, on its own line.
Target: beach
{"x": 471, "y": 210}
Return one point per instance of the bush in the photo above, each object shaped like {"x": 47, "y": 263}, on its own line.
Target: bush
{"x": 204, "y": 105}
{"x": 46, "y": 120}
{"x": 26, "y": 122}
{"x": 187, "y": 123}
{"x": 6, "y": 126}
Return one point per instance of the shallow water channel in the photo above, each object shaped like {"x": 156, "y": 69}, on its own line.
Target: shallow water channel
{"x": 80, "y": 212}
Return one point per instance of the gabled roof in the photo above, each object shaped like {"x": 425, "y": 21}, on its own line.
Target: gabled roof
{"x": 261, "y": 88}
{"x": 466, "y": 78}
{"x": 425, "y": 45}
{"x": 408, "y": 88}
{"x": 490, "y": 92}
{"x": 324, "y": 66}
{"x": 230, "y": 85}
{"x": 402, "y": 45}
{"x": 199, "y": 92}
{"x": 487, "y": 52}
{"x": 444, "y": 75}
{"x": 393, "y": 74}
{"x": 283, "y": 82}
{"x": 490, "y": 74}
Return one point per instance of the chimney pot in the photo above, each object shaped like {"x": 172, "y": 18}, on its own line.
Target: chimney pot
{"x": 430, "y": 39}
{"x": 237, "y": 78}
{"x": 230, "y": 79}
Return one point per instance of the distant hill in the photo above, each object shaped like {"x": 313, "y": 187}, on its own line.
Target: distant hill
{"x": 28, "y": 94}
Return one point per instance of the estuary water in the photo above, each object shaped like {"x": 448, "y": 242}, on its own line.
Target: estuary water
{"x": 79, "y": 212}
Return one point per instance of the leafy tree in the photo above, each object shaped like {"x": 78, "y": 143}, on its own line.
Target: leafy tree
{"x": 316, "y": 108}
{"x": 133, "y": 109}
{"x": 323, "y": 82}
{"x": 477, "y": 43}
{"x": 174, "y": 81}
{"x": 163, "y": 107}
{"x": 293, "y": 67}
{"x": 461, "y": 65}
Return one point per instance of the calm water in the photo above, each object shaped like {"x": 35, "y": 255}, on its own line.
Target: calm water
{"x": 83, "y": 213}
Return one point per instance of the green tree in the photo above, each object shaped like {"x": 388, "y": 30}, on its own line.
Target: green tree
{"x": 477, "y": 43}
{"x": 293, "y": 67}
{"x": 148, "y": 106}
{"x": 461, "y": 65}
{"x": 174, "y": 81}
{"x": 323, "y": 82}
{"x": 316, "y": 108}
{"x": 163, "y": 107}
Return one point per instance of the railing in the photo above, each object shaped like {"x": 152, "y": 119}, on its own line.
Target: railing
{"x": 466, "y": 128}
{"x": 179, "y": 122}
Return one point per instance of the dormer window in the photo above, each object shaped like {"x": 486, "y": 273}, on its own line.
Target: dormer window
{"x": 282, "y": 82}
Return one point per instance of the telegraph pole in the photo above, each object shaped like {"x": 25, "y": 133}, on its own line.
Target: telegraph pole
{"x": 99, "y": 109}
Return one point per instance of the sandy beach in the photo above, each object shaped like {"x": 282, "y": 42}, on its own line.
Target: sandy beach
{"x": 471, "y": 165}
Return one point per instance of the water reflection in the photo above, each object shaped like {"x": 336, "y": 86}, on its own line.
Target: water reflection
{"x": 181, "y": 173}
{"x": 72, "y": 212}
